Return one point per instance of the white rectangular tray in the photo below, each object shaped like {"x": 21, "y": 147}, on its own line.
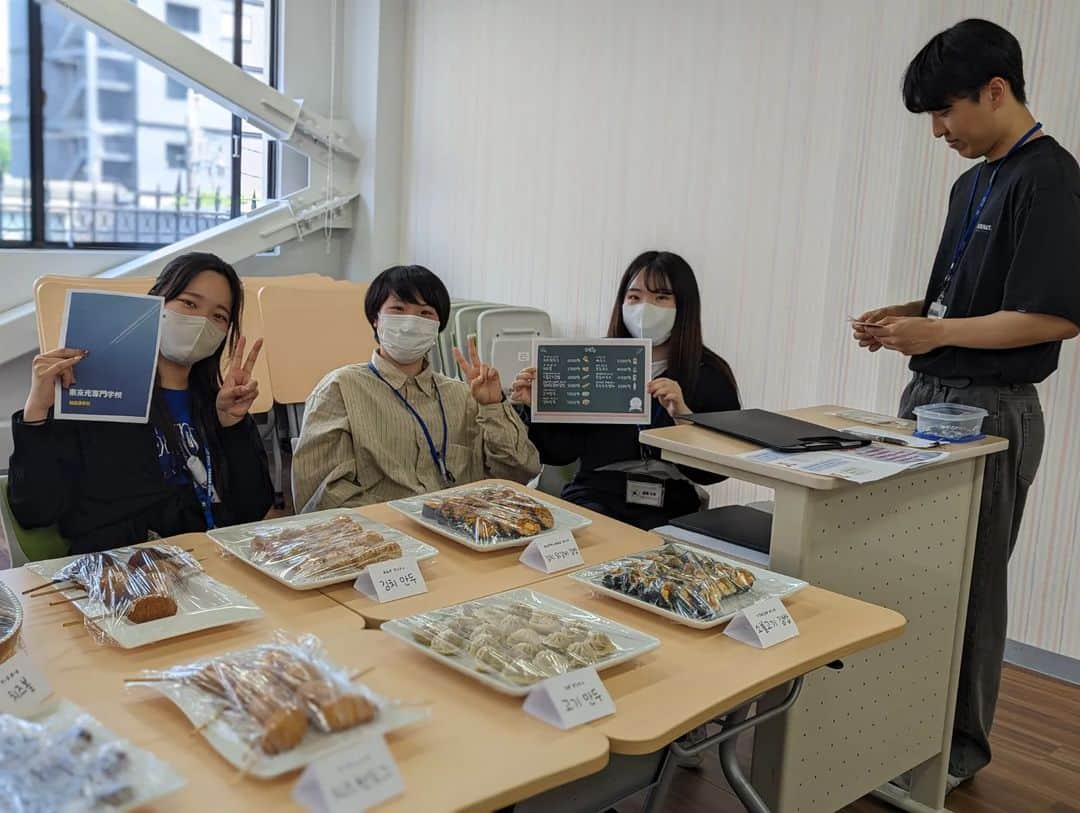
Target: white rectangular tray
{"x": 412, "y": 507}
{"x": 153, "y": 779}
{"x": 202, "y": 603}
{"x": 236, "y": 540}
{"x": 633, "y": 642}
{"x": 192, "y": 702}
{"x": 767, "y": 584}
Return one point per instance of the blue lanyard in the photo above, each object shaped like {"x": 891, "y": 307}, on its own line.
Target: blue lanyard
{"x": 972, "y": 219}
{"x": 438, "y": 459}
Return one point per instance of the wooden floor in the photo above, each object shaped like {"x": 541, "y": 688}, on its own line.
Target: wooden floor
{"x": 1036, "y": 765}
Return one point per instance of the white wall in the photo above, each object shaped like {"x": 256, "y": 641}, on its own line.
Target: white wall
{"x": 547, "y": 143}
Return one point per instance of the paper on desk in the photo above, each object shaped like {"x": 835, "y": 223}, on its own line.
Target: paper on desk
{"x": 865, "y": 465}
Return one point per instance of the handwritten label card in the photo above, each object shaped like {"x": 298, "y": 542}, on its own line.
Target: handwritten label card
{"x": 763, "y": 624}
{"x": 570, "y": 700}
{"x": 552, "y": 552}
{"x": 23, "y": 688}
{"x": 350, "y": 780}
{"x": 389, "y": 581}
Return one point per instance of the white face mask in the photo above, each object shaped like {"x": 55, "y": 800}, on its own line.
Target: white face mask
{"x": 647, "y": 321}
{"x": 405, "y": 338}
{"x": 187, "y": 339}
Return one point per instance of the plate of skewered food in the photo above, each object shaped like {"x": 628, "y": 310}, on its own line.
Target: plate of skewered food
{"x": 131, "y": 597}
{"x": 511, "y": 641}
{"x": 315, "y": 550}
{"x": 692, "y": 586}
{"x": 275, "y": 707}
{"x": 68, "y": 761}
{"x": 488, "y": 517}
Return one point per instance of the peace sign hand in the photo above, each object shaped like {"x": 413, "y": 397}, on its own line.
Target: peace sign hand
{"x": 238, "y": 389}
{"x": 483, "y": 380}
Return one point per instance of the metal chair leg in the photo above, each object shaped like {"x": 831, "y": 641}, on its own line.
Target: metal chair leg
{"x": 733, "y": 771}
{"x": 658, "y": 793}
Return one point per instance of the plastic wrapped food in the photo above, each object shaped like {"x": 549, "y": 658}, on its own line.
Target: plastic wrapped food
{"x": 119, "y": 591}
{"x": 71, "y": 763}
{"x": 490, "y": 513}
{"x": 339, "y": 547}
{"x": 694, "y": 587}
{"x": 677, "y": 579}
{"x": 270, "y": 697}
{"x": 520, "y": 638}
{"x": 315, "y": 550}
{"x": 488, "y": 517}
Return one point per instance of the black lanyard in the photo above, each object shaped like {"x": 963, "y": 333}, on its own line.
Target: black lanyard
{"x": 972, "y": 219}
{"x": 438, "y": 459}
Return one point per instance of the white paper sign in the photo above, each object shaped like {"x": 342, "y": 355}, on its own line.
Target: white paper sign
{"x": 23, "y": 688}
{"x": 351, "y": 780}
{"x": 389, "y": 581}
{"x": 570, "y": 700}
{"x": 763, "y": 624}
{"x": 553, "y": 551}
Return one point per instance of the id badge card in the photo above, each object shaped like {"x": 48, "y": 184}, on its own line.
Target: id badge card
{"x": 937, "y": 310}
{"x": 644, "y": 492}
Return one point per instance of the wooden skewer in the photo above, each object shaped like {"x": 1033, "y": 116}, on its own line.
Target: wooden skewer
{"x": 58, "y": 590}
{"x": 360, "y": 673}
{"x": 68, "y": 600}
{"x": 42, "y": 586}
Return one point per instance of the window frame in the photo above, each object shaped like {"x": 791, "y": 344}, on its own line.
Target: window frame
{"x": 35, "y": 55}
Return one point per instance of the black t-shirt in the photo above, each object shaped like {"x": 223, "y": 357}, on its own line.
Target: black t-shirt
{"x": 1024, "y": 255}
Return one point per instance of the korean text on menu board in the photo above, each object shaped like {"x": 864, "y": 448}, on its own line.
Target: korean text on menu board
{"x": 598, "y": 382}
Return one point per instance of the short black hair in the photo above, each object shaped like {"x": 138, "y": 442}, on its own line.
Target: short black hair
{"x": 409, "y": 283}
{"x": 958, "y": 63}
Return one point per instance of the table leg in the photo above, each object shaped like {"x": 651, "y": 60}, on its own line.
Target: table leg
{"x": 734, "y": 723}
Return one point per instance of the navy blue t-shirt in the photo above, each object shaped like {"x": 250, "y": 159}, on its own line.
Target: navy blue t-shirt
{"x": 174, "y": 461}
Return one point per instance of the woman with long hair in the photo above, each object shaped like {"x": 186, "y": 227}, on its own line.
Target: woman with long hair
{"x": 657, "y": 299}
{"x": 198, "y": 463}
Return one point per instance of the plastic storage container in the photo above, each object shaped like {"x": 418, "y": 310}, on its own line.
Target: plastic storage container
{"x": 955, "y": 423}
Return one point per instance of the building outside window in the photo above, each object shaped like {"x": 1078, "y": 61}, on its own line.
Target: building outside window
{"x": 124, "y": 154}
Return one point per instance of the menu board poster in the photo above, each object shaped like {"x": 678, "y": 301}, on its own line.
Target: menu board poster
{"x": 592, "y": 381}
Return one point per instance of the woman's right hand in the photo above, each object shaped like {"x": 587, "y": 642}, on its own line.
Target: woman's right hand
{"x": 47, "y": 368}
{"x": 521, "y": 391}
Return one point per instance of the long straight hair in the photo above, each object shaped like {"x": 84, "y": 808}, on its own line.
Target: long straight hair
{"x": 665, "y": 270}
{"x": 204, "y": 379}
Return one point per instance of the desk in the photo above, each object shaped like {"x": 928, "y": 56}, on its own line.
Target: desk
{"x": 460, "y": 574}
{"x": 477, "y": 752}
{"x": 905, "y": 543}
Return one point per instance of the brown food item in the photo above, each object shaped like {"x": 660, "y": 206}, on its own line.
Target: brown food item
{"x": 340, "y": 711}
{"x": 260, "y": 696}
{"x": 151, "y": 608}
{"x": 488, "y": 512}
{"x": 283, "y": 730}
{"x": 338, "y": 547}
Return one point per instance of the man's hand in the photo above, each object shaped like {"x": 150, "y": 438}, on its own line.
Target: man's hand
{"x": 910, "y": 335}
{"x": 876, "y": 316}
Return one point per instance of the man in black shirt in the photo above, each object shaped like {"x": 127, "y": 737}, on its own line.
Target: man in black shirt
{"x": 1003, "y": 294}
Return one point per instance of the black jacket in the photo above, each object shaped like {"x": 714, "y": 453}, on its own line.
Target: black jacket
{"x": 596, "y": 445}
{"x": 102, "y": 483}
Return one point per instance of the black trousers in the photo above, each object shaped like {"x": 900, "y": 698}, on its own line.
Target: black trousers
{"x": 1015, "y": 414}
